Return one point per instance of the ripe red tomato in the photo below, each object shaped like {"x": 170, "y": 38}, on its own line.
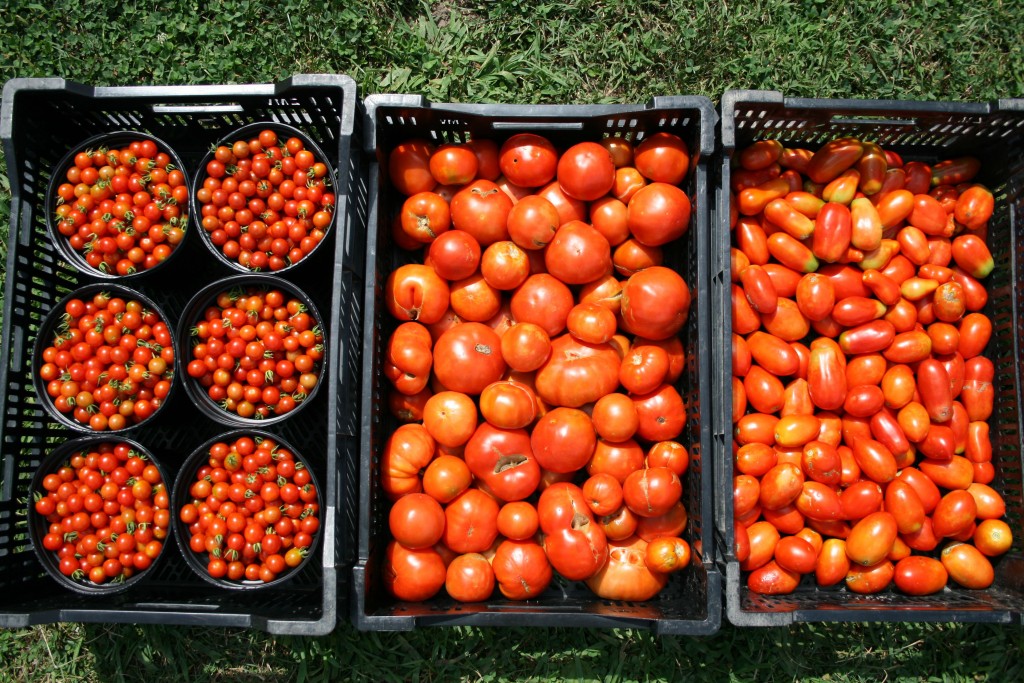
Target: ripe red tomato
{"x": 409, "y": 167}
{"x": 470, "y": 578}
{"x": 661, "y": 414}
{"x": 416, "y": 292}
{"x": 504, "y": 461}
{"x": 454, "y": 164}
{"x": 651, "y": 492}
{"x": 658, "y": 214}
{"x": 468, "y": 357}
{"x": 586, "y": 171}
{"x": 413, "y": 574}
{"x": 543, "y": 300}
{"x": 518, "y": 520}
{"x": 455, "y": 255}
{"x": 482, "y": 210}
{"x": 563, "y": 440}
{"x": 521, "y": 569}
{"x": 416, "y": 521}
{"x": 471, "y": 522}
{"x": 578, "y": 254}
{"x": 663, "y": 157}
{"x": 655, "y": 303}
{"x": 528, "y": 160}
{"x": 577, "y": 373}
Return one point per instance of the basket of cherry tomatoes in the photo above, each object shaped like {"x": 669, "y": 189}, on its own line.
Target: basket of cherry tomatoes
{"x": 265, "y": 198}
{"x": 99, "y": 518}
{"x": 247, "y": 510}
{"x": 255, "y": 350}
{"x": 104, "y": 359}
{"x": 118, "y": 205}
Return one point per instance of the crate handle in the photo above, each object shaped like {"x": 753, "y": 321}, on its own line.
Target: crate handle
{"x": 229, "y": 108}
{"x": 871, "y": 120}
{"x": 537, "y": 125}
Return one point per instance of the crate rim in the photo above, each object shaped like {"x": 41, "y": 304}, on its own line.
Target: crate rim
{"x": 708, "y": 118}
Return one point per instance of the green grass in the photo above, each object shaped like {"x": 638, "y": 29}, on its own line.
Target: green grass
{"x": 584, "y": 51}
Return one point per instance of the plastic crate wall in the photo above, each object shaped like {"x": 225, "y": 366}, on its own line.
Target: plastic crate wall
{"x": 691, "y": 602}
{"x": 925, "y": 131}
{"x": 41, "y": 120}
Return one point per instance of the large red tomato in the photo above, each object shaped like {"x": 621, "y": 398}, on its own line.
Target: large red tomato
{"x": 416, "y": 521}
{"x": 578, "y": 254}
{"x": 413, "y": 575}
{"x": 586, "y": 171}
{"x": 454, "y": 164}
{"x": 663, "y": 158}
{"x": 625, "y": 576}
{"x": 576, "y": 373}
{"x": 662, "y": 414}
{"x": 468, "y": 357}
{"x": 454, "y": 255}
{"x": 568, "y": 208}
{"x": 564, "y": 440}
{"x": 658, "y": 213}
{"x": 425, "y": 215}
{"x": 409, "y": 167}
{"x": 521, "y": 569}
{"x": 528, "y": 160}
{"x": 655, "y": 303}
{"x": 532, "y": 222}
{"x": 471, "y": 522}
{"x": 504, "y": 461}
{"x": 470, "y": 578}
{"x": 482, "y": 209}
{"x": 407, "y": 451}
{"x": 543, "y": 300}
{"x": 416, "y": 292}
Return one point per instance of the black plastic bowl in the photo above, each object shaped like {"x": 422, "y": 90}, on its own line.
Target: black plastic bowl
{"x": 59, "y": 175}
{"x": 45, "y": 338}
{"x": 180, "y": 496}
{"x": 248, "y": 132}
{"x": 184, "y": 342}
{"x": 38, "y": 526}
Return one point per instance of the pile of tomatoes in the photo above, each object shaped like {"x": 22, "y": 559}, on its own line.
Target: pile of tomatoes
{"x": 111, "y": 362}
{"x": 266, "y": 204}
{"x": 535, "y": 368}
{"x": 860, "y": 395}
{"x": 124, "y": 209}
{"x": 253, "y": 510}
{"x": 257, "y": 353}
{"x": 107, "y": 512}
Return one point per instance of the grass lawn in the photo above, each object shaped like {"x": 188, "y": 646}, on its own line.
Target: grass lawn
{"x": 570, "y": 51}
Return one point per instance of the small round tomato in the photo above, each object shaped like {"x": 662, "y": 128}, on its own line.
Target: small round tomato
{"x": 667, "y": 554}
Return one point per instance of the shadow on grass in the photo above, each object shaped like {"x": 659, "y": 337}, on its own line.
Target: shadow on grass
{"x": 834, "y": 652}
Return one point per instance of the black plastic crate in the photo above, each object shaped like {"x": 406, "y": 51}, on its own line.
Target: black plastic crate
{"x": 691, "y": 603}
{"x": 925, "y": 131}
{"x": 41, "y": 120}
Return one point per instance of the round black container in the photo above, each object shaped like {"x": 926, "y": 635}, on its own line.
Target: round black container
{"x": 45, "y": 338}
{"x": 38, "y": 526}
{"x": 109, "y": 140}
{"x": 248, "y": 132}
{"x": 184, "y": 342}
{"x": 180, "y": 496}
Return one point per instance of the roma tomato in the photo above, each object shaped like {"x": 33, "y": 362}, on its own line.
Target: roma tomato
{"x": 919, "y": 575}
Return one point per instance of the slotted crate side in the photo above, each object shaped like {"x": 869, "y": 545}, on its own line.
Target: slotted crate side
{"x": 691, "y": 602}
{"x": 41, "y": 119}
{"x": 926, "y": 131}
